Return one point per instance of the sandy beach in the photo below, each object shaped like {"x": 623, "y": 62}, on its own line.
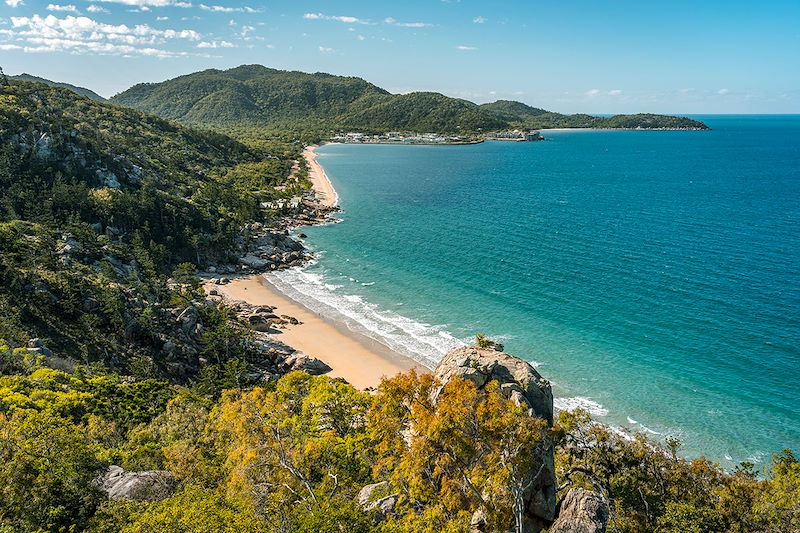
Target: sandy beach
{"x": 322, "y": 185}
{"x": 357, "y": 358}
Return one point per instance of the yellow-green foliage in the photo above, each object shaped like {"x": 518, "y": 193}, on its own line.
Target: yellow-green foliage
{"x": 468, "y": 451}
{"x": 292, "y": 457}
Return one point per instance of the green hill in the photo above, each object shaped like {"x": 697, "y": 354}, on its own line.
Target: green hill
{"x": 249, "y": 95}
{"x": 87, "y": 93}
{"x": 511, "y": 111}
{"x": 99, "y": 205}
{"x": 253, "y": 96}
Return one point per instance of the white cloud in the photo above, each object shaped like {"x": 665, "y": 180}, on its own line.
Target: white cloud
{"x": 615, "y": 92}
{"x": 325, "y": 50}
{"x": 479, "y": 20}
{"x": 592, "y": 92}
{"x": 83, "y": 35}
{"x": 69, "y": 8}
{"x": 223, "y": 9}
{"x": 216, "y": 44}
{"x": 162, "y": 19}
{"x": 465, "y": 48}
{"x": 149, "y": 3}
{"x": 14, "y": 3}
{"x": 360, "y": 37}
{"x": 337, "y": 18}
{"x": 97, "y": 9}
{"x": 393, "y": 22}
{"x": 10, "y": 47}
{"x": 723, "y": 92}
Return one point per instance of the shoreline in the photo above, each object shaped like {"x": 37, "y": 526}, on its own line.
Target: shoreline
{"x": 360, "y": 360}
{"x": 323, "y": 188}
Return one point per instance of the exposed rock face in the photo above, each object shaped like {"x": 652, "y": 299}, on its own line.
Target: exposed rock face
{"x": 365, "y": 494}
{"x": 581, "y": 511}
{"x": 382, "y": 506}
{"x": 518, "y": 380}
{"x": 147, "y": 486}
{"x": 522, "y": 384}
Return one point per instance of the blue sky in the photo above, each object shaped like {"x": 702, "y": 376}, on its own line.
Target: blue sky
{"x": 601, "y": 56}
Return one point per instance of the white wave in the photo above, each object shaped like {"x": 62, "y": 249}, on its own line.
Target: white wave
{"x": 756, "y": 457}
{"x": 632, "y": 421}
{"x": 648, "y": 430}
{"x": 424, "y": 343}
{"x": 620, "y": 432}
{"x": 579, "y": 402}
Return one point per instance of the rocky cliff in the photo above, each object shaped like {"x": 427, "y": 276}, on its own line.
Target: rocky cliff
{"x": 522, "y": 384}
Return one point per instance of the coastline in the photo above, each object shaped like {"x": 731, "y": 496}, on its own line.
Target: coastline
{"x": 323, "y": 188}
{"x": 358, "y": 359}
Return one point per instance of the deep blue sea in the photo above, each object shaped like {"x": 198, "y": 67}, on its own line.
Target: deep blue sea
{"x": 653, "y": 277}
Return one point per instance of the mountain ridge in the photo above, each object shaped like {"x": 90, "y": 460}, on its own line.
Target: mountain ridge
{"x": 262, "y": 97}
{"x": 82, "y": 91}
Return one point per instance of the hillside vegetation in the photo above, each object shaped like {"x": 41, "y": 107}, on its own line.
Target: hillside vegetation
{"x": 254, "y": 96}
{"x": 111, "y": 354}
{"x": 99, "y": 206}
{"x": 83, "y": 91}
{"x": 292, "y": 456}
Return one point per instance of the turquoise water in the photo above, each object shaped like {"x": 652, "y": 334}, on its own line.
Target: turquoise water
{"x": 653, "y": 277}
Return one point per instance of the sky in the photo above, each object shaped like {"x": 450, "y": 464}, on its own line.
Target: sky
{"x": 592, "y": 56}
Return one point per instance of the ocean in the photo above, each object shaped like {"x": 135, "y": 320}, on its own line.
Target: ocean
{"x": 652, "y": 277}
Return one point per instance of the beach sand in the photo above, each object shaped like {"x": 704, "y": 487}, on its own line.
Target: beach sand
{"x": 357, "y": 358}
{"x": 319, "y": 180}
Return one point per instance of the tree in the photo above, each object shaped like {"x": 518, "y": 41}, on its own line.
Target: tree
{"x": 296, "y": 449}
{"x": 47, "y": 465}
{"x": 466, "y": 451}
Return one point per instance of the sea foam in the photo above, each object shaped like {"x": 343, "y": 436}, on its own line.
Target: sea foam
{"x": 424, "y": 343}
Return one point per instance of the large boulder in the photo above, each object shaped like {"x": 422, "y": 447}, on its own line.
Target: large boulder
{"x": 522, "y": 384}
{"x": 518, "y": 380}
{"x": 304, "y": 363}
{"x": 146, "y": 486}
{"x": 364, "y": 496}
{"x": 382, "y": 507}
{"x": 581, "y": 511}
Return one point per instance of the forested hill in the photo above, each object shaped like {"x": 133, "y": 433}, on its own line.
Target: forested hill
{"x": 98, "y": 205}
{"x": 83, "y": 91}
{"x": 257, "y": 96}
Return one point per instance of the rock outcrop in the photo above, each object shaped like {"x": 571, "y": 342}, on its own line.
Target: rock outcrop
{"x": 147, "y": 486}
{"x": 382, "y": 507}
{"x": 365, "y": 494}
{"x": 522, "y": 384}
{"x": 581, "y": 511}
{"x": 518, "y": 380}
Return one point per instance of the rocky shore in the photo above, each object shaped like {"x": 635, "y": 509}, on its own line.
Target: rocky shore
{"x": 269, "y": 247}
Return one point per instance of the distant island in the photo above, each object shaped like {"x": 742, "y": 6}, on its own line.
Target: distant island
{"x": 291, "y": 102}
